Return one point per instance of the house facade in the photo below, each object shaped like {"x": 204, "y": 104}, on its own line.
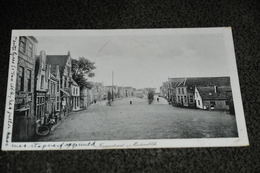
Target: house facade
{"x": 171, "y": 85}
{"x": 47, "y": 90}
{"x": 75, "y": 96}
{"x": 120, "y": 91}
{"x": 212, "y": 97}
{"x": 113, "y": 90}
{"x": 140, "y": 93}
{"x": 128, "y": 91}
{"x": 98, "y": 91}
{"x": 53, "y": 92}
{"x": 64, "y": 63}
{"x": 41, "y": 87}
{"x": 185, "y": 90}
{"x": 24, "y": 108}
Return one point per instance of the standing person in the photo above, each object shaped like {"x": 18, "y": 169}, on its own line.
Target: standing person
{"x": 157, "y": 99}
{"x": 64, "y": 105}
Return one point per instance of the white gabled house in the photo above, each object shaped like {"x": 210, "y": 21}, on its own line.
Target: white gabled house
{"x": 212, "y": 97}
{"x": 75, "y": 96}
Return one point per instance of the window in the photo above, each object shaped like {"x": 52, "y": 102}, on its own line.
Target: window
{"x": 49, "y": 85}
{"x": 179, "y": 99}
{"x": 65, "y": 82}
{"x": 40, "y": 107}
{"x": 22, "y": 44}
{"x": 21, "y": 79}
{"x": 29, "y": 80}
{"x": 191, "y": 99}
{"x": 42, "y": 81}
{"x": 179, "y": 90}
{"x": 182, "y": 90}
{"x": 58, "y": 86}
{"x": 30, "y": 50}
{"x": 58, "y": 103}
{"x": 198, "y": 102}
{"x": 185, "y": 98}
{"x": 52, "y": 88}
{"x": 68, "y": 71}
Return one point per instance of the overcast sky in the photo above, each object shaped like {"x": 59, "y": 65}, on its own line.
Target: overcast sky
{"x": 144, "y": 61}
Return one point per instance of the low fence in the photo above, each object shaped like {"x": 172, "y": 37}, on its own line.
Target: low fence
{"x": 23, "y": 128}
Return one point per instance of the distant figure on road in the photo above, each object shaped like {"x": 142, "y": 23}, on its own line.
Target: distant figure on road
{"x": 109, "y": 98}
{"x": 157, "y": 99}
{"x": 95, "y": 101}
{"x": 64, "y": 105}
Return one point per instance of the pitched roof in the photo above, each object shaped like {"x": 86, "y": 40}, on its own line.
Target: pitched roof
{"x": 114, "y": 86}
{"x": 176, "y": 81}
{"x": 55, "y": 60}
{"x": 53, "y": 70}
{"x": 74, "y": 83}
{"x": 208, "y": 93}
{"x": 205, "y": 81}
{"x": 127, "y": 87}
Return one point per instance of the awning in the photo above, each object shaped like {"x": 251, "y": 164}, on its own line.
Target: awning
{"x": 65, "y": 92}
{"x": 22, "y": 109}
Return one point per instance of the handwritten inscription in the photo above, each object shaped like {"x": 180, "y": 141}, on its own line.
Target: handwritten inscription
{"x": 11, "y": 90}
{"x": 52, "y": 146}
{"x": 80, "y": 145}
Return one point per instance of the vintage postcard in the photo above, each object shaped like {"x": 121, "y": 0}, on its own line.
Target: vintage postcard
{"x": 123, "y": 89}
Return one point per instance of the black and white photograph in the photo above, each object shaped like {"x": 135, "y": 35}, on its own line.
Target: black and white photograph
{"x": 132, "y": 88}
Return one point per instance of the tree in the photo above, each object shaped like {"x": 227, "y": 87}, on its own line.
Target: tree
{"x": 150, "y": 96}
{"x": 81, "y": 69}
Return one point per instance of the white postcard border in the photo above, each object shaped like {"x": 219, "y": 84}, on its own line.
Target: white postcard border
{"x": 7, "y": 144}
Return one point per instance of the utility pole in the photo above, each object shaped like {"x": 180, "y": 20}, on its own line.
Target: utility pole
{"x": 112, "y": 86}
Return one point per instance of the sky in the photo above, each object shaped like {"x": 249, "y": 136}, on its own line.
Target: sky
{"x": 144, "y": 60}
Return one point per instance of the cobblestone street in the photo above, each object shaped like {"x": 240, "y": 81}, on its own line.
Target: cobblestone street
{"x": 123, "y": 121}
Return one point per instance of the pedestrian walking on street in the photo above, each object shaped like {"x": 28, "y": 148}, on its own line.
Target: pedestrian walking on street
{"x": 157, "y": 99}
{"x": 64, "y": 106}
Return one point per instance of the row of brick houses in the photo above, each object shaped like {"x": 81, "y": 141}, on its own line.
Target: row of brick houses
{"x": 44, "y": 88}
{"x": 203, "y": 93}
{"x": 100, "y": 92}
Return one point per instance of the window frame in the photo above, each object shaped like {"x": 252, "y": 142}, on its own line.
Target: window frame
{"x": 30, "y": 49}
{"x": 22, "y": 42}
{"x": 21, "y": 78}
{"x": 42, "y": 82}
{"x": 29, "y": 80}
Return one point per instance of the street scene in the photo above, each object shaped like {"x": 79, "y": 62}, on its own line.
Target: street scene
{"x": 139, "y": 120}
{"x": 98, "y": 88}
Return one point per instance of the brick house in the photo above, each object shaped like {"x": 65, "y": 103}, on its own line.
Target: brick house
{"x": 212, "y": 97}
{"x": 24, "y": 116}
{"x": 172, "y": 84}
{"x": 64, "y": 63}
{"x": 186, "y": 89}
